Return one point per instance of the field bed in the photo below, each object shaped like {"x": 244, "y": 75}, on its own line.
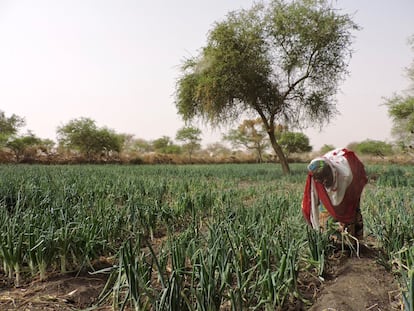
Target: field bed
{"x": 195, "y": 237}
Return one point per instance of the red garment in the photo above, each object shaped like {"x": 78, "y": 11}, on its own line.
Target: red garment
{"x": 345, "y": 211}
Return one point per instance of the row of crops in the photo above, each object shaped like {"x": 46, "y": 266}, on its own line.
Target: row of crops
{"x": 207, "y": 237}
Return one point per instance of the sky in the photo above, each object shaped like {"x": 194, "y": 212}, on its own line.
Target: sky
{"x": 117, "y": 62}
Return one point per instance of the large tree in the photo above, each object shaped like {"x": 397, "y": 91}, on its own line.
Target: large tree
{"x": 281, "y": 62}
{"x": 401, "y": 110}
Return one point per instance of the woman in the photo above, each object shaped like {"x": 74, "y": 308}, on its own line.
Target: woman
{"x": 333, "y": 190}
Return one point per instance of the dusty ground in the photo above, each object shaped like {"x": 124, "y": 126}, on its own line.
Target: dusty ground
{"x": 358, "y": 284}
{"x": 69, "y": 292}
{"x": 353, "y": 284}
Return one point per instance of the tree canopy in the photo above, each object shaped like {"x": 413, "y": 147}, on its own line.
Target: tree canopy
{"x": 326, "y": 148}
{"x": 166, "y": 145}
{"x": 251, "y": 135}
{"x": 281, "y": 62}
{"x": 294, "y": 142}
{"x": 83, "y": 135}
{"x": 9, "y": 126}
{"x": 372, "y": 147}
{"x": 401, "y": 110}
{"x": 20, "y": 144}
{"x": 190, "y": 137}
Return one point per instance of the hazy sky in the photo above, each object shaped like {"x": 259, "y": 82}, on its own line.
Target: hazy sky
{"x": 117, "y": 62}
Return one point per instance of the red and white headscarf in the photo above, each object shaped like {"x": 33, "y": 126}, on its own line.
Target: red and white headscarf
{"x": 341, "y": 199}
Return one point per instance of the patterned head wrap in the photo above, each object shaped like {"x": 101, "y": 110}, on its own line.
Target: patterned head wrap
{"x": 317, "y": 165}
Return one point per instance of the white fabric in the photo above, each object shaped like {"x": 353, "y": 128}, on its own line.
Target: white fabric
{"x": 342, "y": 178}
{"x": 314, "y": 215}
{"x": 342, "y": 175}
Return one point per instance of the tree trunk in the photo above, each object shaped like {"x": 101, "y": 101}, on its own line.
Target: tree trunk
{"x": 279, "y": 152}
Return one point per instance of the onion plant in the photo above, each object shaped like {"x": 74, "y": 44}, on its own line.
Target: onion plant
{"x": 199, "y": 237}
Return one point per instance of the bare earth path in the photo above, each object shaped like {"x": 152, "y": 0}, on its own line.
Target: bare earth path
{"x": 359, "y": 284}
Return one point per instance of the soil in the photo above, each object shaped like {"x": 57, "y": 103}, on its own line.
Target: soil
{"x": 353, "y": 283}
{"x": 358, "y": 283}
{"x": 61, "y": 292}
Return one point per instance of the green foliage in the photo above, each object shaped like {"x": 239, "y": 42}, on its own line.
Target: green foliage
{"x": 231, "y": 234}
{"x": 326, "y": 148}
{"x": 319, "y": 246}
{"x": 408, "y": 295}
{"x": 401, "y": 111}
{"x": 9, "y": 126}
{"x": 166, "y": 145}
{"x": 389, "y": 219}
{"x": 20, "y": 144}
{"x": 142, "y": 145}
{"x": 373, "y": 147}
{"x": 281, "y": 62}
{"x": 217, "y": 150}
{"x": 83, "y": 135}
{"x": 292, "y": 142}
{"x": 251, "y": 135}
{"x": 190, "y": 136}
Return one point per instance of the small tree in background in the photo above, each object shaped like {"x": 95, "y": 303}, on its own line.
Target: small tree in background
{"x": 84, "y": 136}
{"x": 20, "y": 145}
{"x": 326, "y": 148}
{"x": 372, "y": 147}
{"x": 250, "y": 135}
{"x": 142, "y": 145}
{"x": 190, "y": 137}
{"x": 293, "y": 142}
{"x": 401, "y": 110}
{"x": 217, "y": 150}
{"x": 165, "y": 145}
{"x": 9, "y": 126}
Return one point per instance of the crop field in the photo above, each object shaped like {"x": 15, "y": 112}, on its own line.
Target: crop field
{"x": 195, "y": 237}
